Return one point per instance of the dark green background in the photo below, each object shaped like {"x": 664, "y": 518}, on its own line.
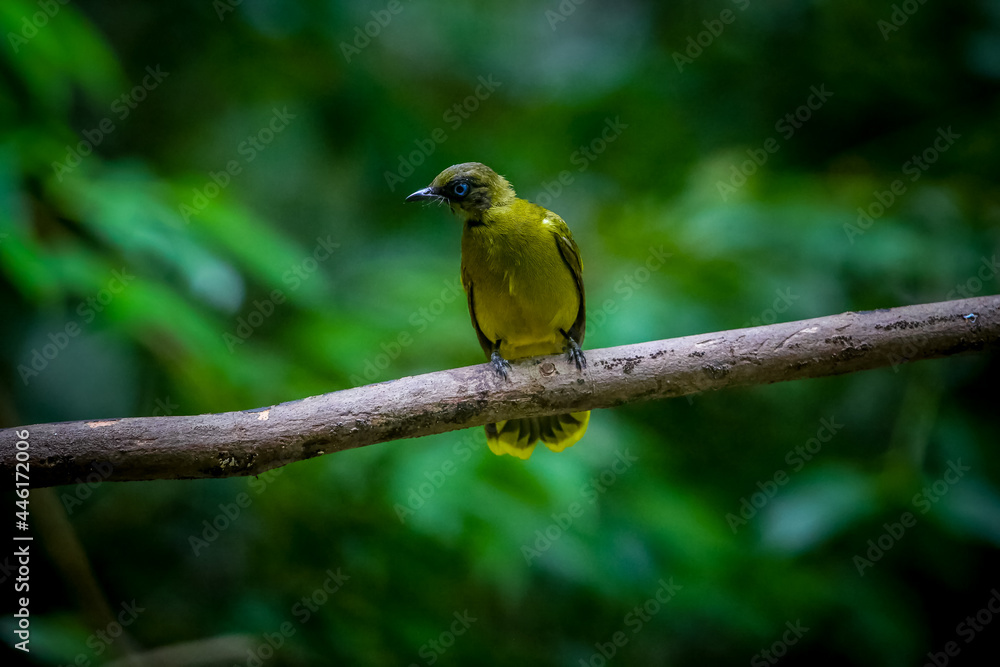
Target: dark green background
{"x": 350, "y": 108}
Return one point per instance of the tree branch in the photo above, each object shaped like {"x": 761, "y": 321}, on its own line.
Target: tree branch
{"x": 253, "y": 441}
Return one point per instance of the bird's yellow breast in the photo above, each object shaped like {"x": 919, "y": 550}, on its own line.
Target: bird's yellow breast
{"x": 523, "y": 291}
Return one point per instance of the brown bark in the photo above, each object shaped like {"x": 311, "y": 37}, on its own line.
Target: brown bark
{"x": 252, "y": 441}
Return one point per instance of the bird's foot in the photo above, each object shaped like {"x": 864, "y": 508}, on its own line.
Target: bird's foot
{"x": 499, "y": 364}
{"x": 574, "y": 353}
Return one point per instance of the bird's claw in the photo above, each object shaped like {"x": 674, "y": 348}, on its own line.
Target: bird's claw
{"x": 499, "y": 364}
{"x": 573, "y": 351}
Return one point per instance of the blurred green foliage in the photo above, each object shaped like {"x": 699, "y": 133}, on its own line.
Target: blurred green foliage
{"x": 201, "y": 210}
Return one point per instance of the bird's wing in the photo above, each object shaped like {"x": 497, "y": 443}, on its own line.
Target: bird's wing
{"x": 484, "y": 342}
{"x": 570, "y": 254}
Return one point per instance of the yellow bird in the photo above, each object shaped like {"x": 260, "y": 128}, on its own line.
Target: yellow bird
{"x": 523, "y": 276}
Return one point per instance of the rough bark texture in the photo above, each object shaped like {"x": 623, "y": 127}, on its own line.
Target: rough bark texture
{"x": 252, "y": 441}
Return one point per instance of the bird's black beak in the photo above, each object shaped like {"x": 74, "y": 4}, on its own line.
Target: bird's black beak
{"x": 426, "y": 193}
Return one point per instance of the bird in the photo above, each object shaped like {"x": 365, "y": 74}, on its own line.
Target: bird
{"x": 523, "y": 276}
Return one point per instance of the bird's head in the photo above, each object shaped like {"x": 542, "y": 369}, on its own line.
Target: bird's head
{"x": 469, "y": 188}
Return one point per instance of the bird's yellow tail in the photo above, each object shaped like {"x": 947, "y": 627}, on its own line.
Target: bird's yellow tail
{"x": 518, "y": 437}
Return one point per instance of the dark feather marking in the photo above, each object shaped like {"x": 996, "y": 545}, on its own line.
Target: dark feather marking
{"x": 572, "y": 261}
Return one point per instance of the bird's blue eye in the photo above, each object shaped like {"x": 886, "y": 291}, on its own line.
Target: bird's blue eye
{"x": 461, "y": 189}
